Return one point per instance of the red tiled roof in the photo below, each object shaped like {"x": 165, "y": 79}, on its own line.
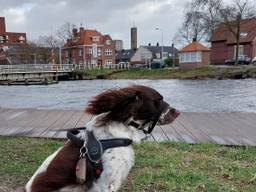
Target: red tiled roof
{"x": 85, "y": 37}
{"x": 222, "y": 33}
{"x": 195, "y": 46}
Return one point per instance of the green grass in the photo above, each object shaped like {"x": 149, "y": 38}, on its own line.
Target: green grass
{"x": 92, "y": 73}
{"x": 210, "y": 72}
{"x": 159, "y": 166}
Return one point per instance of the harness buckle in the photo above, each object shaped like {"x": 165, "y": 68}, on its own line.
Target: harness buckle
{"x": 83, "y": 150}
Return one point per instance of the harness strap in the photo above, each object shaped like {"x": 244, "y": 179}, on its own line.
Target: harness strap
{"x": 96, "y": 147}
{"x": 106, "y": 143}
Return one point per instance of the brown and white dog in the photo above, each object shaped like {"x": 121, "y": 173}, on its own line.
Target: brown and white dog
{"x": 114, "y": 111}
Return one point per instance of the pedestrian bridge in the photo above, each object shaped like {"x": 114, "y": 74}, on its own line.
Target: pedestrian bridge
{"x": 33, "y": 71}
{"x": 35, "y": 68}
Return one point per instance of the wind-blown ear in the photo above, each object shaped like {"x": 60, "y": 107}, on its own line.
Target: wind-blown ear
{"x": 113, "y": 101}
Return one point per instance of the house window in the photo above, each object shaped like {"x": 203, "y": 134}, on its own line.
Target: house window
{"x": 240, "y": 50}
{"x": 165, "y": 54}
{"x": 199, "y": 56}
{"x": 158, "y": 55}
{"x": 66, "y": 53}
{"x": 108, "y": 42}
{"x": 95, "y": 38}
{"x": 108, "y": 62}
{"x": 89, "y": 51}
{"x": 80, "y": 62}
{"x": 108, "y": 52}
{"x": 80, "y": 52}
{"x": 21, "y": 39}
{"x": 191, "y": 57}
{"x": 187, "y": 56}
{"x": 93, "y": 62}
{"x": 99, "y": 52}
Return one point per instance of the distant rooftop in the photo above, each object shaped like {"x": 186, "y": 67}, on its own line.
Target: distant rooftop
{"x": 195, "y": 46}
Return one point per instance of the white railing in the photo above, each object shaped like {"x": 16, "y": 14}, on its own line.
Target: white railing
{"x": 35, "y": 68}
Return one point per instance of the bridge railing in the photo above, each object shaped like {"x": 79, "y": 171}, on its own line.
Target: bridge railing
{"x": 35, "y": 68}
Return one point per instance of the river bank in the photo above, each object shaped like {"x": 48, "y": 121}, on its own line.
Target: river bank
{"x": 211, "y": 72}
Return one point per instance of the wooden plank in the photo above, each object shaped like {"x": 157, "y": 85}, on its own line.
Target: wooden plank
{"x": 71, "y": 123}
{"x": 56, "y": 120}
{"x": 222, "y": 128}
{"x": 230, "y": 128}
{"x": 217, "y": 127}
{"x": 196, "y": 124}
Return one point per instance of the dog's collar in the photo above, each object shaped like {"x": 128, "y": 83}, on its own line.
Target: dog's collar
{"x": 141, "y": 126}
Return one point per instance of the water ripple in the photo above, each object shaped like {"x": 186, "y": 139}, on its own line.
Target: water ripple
{"x": 186, "y": 95}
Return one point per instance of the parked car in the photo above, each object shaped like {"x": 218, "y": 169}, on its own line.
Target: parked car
{"x": 254, "y": 61}
{"x": 242, "y": 59}
{"x": 156, "y": 65}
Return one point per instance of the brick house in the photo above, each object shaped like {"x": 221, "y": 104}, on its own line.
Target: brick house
{"x": 194, "y": 55}
{"x": 89, "y": 48}
{"x": 10, "y": 38}
{"x": 224, "y": 43}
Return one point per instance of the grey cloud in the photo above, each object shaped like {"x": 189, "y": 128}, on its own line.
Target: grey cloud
{"x": 114, "y": 17}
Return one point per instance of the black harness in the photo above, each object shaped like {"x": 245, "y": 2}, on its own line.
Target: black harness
{"x": 94, "y": 148}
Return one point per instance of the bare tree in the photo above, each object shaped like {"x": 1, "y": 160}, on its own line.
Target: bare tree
{"x": 234, "y": 15}
{"x": 210, "y": 12}
{"x": 65, "y": 32}
{"x": 49, "y": 48}
{"x": 200, "y": 21}
{"x": 192, "y": 27}
{"x": 48, "y": 41}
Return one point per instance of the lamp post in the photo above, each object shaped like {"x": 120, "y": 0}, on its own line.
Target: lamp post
{"x": 158, "y": 29}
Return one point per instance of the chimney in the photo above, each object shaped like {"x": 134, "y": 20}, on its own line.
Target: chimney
{"x": 134, "y": 38}
{"x": 194, "y": 39}
{"x": 157, "y": 44}
{"x": 149, "y": 44}
{"x": 81, "y": 28}
{"x": 2, "y": 26}
{"x": 74, "y": 32}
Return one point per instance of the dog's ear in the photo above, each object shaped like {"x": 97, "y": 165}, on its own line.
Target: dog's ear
{"x": 120, "y": 103}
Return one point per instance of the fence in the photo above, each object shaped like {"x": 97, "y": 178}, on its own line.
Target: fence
{"x": 35, "y": 68}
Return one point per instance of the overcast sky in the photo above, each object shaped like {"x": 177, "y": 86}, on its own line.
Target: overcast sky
{"x": 114, "y": 17}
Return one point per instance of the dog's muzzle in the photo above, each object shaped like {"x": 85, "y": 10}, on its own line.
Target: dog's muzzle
{"x": 168, "y": 116}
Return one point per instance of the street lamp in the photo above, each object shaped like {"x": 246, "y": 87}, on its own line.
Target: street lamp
{"x": 158, "y": 29}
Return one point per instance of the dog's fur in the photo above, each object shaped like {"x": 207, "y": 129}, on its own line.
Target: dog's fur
{"x": 112, "y": 110}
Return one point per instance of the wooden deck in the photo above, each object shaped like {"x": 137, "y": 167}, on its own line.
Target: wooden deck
{"x": 221, "y": 128}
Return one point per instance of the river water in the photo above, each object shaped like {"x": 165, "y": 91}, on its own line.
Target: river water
{"x": 185, "y": 95}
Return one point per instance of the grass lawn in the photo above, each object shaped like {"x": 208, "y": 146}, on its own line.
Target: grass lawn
{"x": 210, "y": 72}
{"x": 159, "y": 166}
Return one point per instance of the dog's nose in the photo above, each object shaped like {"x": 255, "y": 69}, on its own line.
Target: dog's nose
{"x": 177, "y": 112}
{"x": 174, "y": 112}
